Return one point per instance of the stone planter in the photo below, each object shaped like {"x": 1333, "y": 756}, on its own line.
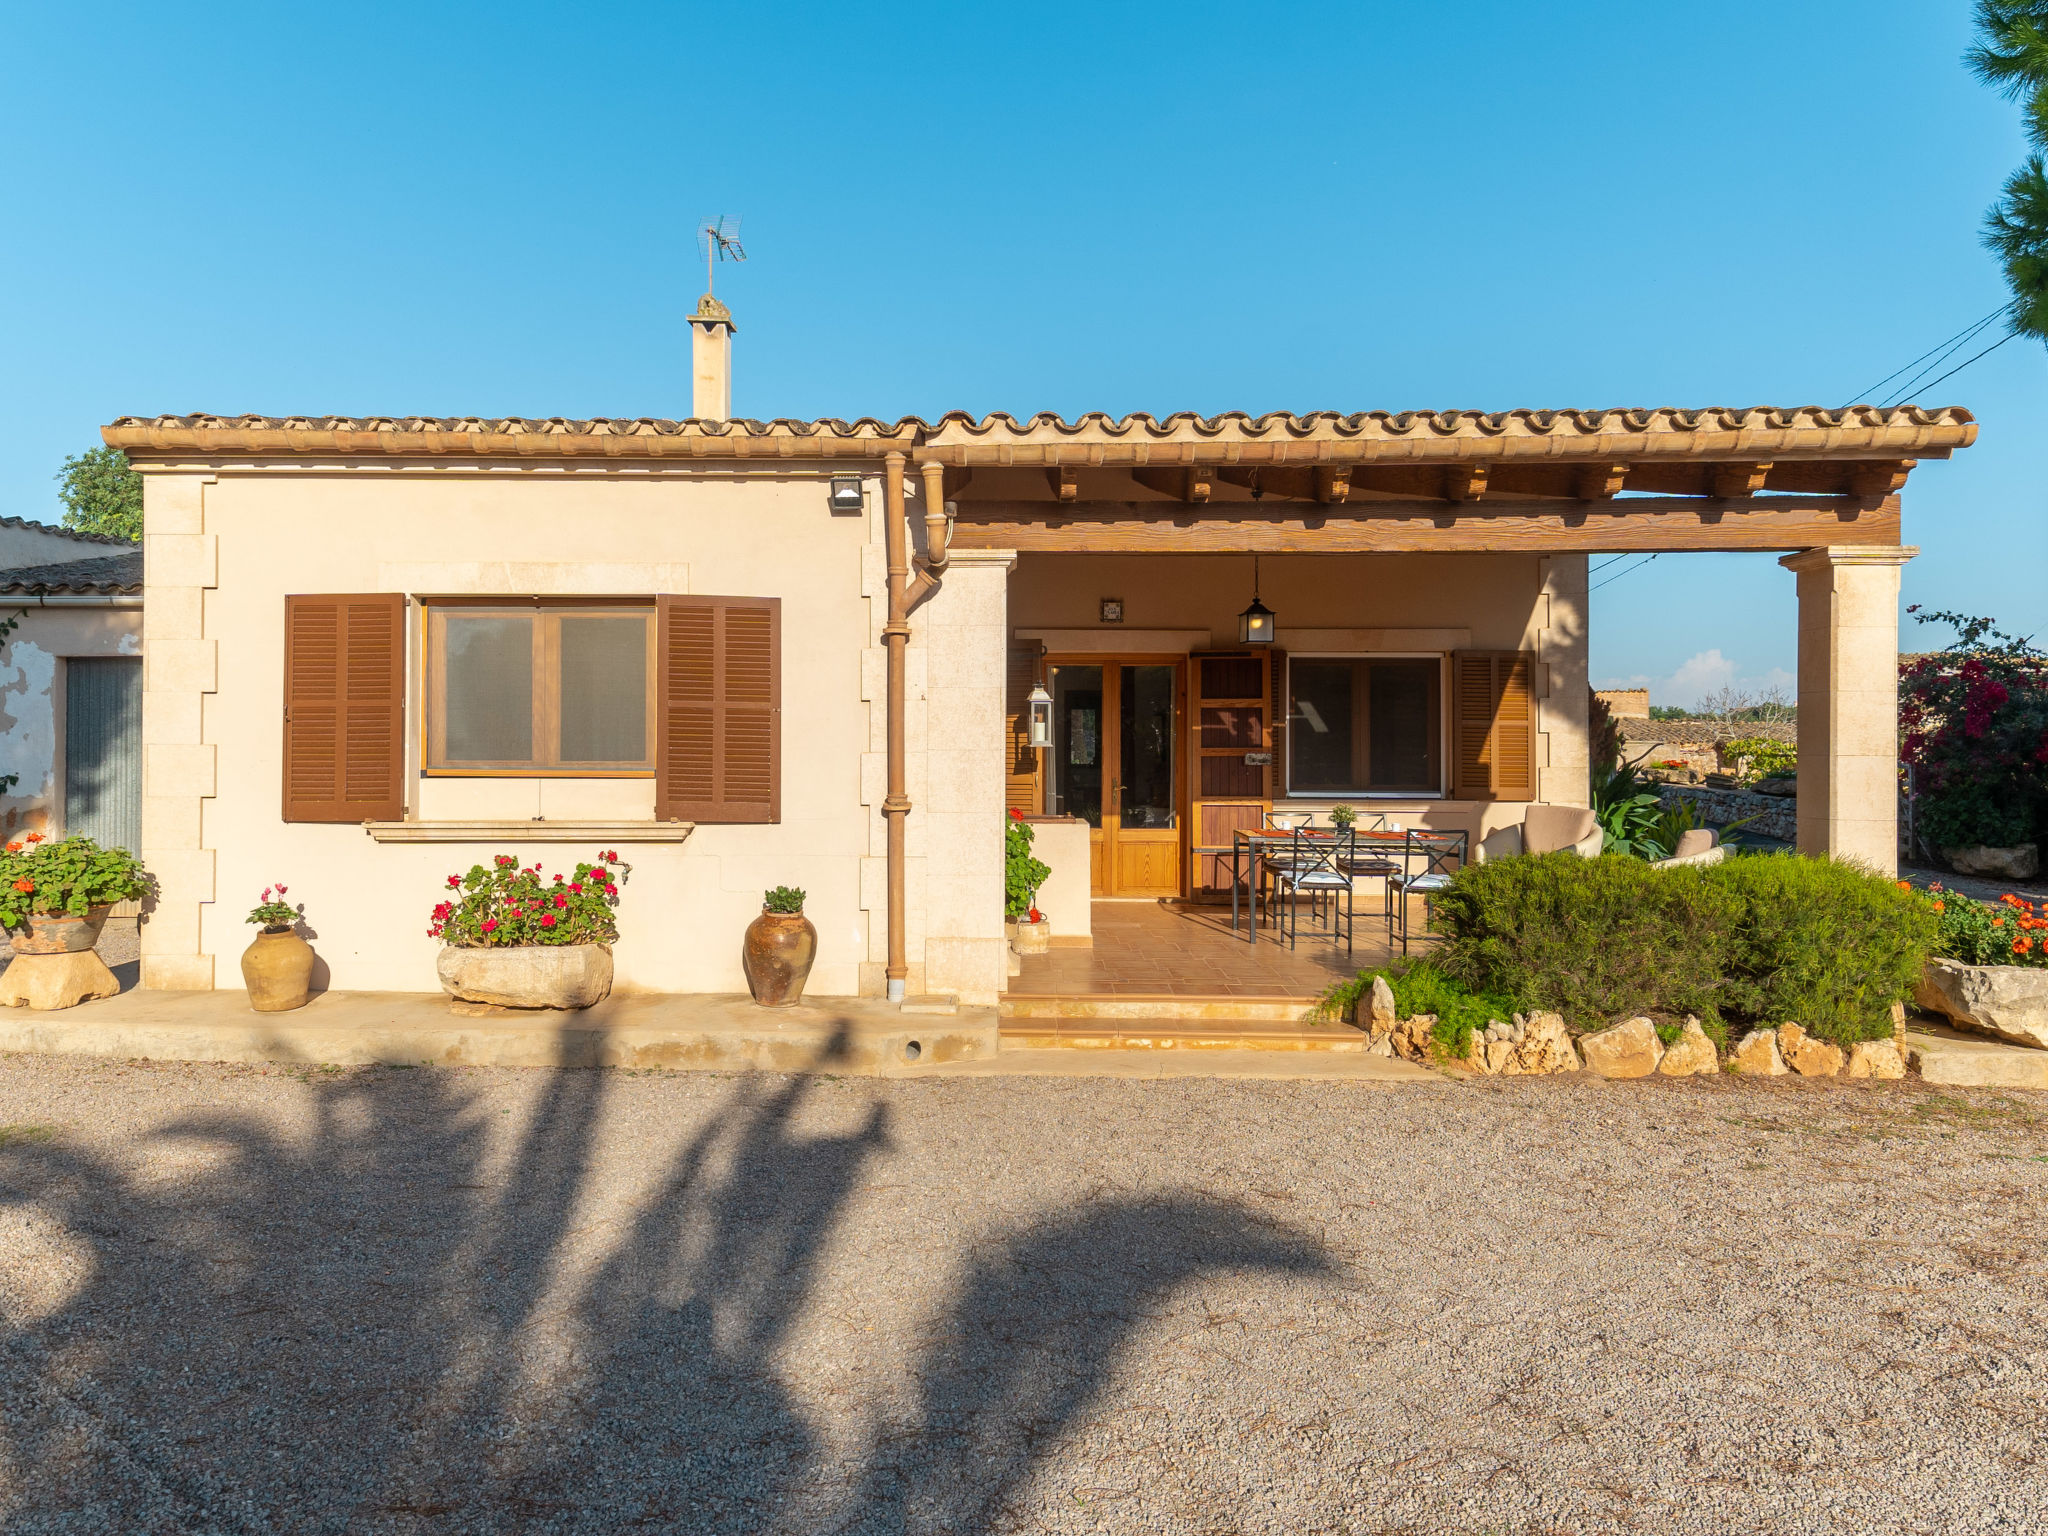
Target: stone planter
{"x": 2008, "y": 1001}
{"x": 61, "y": 933}
{"x": 1029, "y": 938}
{"x": 528, "y": 975}
{"x": 278, "y": 971}
{"x": 2019, "y": 863}
{"x": 777, "y": 957}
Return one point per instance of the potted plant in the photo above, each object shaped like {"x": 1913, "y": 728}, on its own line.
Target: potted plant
{"x": 1030, "y": 933}
{"x": 54, "y": 896}
{"x": 1989, "y": 971}
{"x": 780, "y": 946}
{"x": 277, "y": 967}
{"x": 518, "y": 939}
{"x": 1343, "y": 817}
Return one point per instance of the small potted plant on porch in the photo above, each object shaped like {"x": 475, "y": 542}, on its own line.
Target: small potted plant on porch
{"x": 517, "y": 938}
{"x": 54, "y": 899}
{"x": 1343, "y": 817}
{"x": 780, "y": 947}
{"x": 277, "y": 967}
{"x": 1030, "y": 933}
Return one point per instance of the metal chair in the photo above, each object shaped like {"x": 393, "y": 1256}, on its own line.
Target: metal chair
{"x": 1315, "y": 866}
{"x": 1432, "y": 878}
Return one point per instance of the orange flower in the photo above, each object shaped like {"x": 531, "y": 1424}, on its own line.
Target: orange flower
{"x": 14, "y": 847}
{"x": 1941, "y": 906}
{"x": 2021, "y": 946}
{"x": 35, "y": 837}
{"x": 24, "y": 885}
{"x": 1905, "y": 885}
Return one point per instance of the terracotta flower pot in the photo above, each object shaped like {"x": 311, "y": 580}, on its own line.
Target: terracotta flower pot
{"x": 277, "y": 968}
{"x": 777, "y": 956}
{"x": 61, "y": 933}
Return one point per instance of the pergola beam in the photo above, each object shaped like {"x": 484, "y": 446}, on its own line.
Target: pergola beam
{"x": 1647, "y": 523}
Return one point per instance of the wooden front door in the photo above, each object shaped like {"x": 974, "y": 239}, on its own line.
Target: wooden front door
{"x": 1115, "y": 764}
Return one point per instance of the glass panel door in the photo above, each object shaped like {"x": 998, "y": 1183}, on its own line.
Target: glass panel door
{"x": 1145, "y": 859}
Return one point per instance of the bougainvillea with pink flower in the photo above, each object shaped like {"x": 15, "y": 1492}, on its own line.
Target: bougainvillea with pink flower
{"x": 1973, "y": 722}
{"x": 511, "y": 903}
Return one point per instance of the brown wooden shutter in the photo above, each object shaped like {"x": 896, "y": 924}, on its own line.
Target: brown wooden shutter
{"x": 718, "y": 745}
{"x": 344, "y": 707}
{"x": 1230, "y": 696}
{"x": 1023, "y": 787}
{"x": 1276, "y": 724}
{"x": 1493, "y": 725}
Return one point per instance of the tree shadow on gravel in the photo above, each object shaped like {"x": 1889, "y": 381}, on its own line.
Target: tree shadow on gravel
{"x": 390, "y": 1322}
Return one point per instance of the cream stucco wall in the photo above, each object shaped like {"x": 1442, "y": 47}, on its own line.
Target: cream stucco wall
{"x": 226, "y": 551}
{"x": 1426, "y": 604}
{"x": 32, "y": 698}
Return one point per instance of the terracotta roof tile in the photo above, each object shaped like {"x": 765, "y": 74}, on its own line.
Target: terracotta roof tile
{"x": 66, "y": 533}
{"x": 111, "y": 574}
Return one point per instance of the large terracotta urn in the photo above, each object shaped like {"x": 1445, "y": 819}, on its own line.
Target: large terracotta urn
{"x": 777, "y": 956}
{"x": 60, "y": 933}
{"x": 277, "y": 968}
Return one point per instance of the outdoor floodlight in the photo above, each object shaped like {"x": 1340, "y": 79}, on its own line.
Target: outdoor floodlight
{"x": 846, "y": 494}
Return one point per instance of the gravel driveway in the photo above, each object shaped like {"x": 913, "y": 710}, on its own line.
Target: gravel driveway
{"x": 256, "y": 1300}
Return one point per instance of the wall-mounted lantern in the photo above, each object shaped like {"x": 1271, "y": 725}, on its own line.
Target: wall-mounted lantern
{"x": 1255, "y": 624}
{"x": 1041, "y": 717}
{"x": 846, "y": 496}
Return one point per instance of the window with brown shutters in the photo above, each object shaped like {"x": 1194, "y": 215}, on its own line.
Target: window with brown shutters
{"x": 1493, "y": 725}
{"x": 718, "y": 742}
{"x": 344, "y": 707}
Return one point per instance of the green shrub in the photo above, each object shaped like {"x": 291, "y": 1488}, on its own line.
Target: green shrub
{"x": 1766, "y": 757}
{"x": 1749, "y": 941}
{"x": 1421, "y": 986}
{"x": 1022, "y": 874}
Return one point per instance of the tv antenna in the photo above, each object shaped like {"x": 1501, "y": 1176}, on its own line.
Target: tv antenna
{"x": 719, "y": 236}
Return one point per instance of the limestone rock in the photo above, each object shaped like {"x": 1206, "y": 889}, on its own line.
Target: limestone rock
{"x": 56, "y": 981}
{"x": 1629, "y": 1049}
{"x": 2008, "y": 1001}
{"x": 2019, "y": 863}
{"x": 1876, "y": 1058}
{"x": 1690, "y": 1054}
{"x": 1411, "y": 1037}
{"x": 1758, "y": 1054}
{"x": 1382, "y": 1045}
{"x": 1380, "y": 1017}
{"x": 1543, "y": 1046}
{"x": 1806, "y": 1055}
{"x": 1500, "y": 1054}
{"x": 528, "y": 975}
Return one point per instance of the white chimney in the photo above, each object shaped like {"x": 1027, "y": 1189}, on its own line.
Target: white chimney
{"x": 711, "y": 331}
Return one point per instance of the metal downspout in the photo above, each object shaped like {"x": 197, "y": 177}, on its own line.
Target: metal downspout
{"x": 896, "y": 635}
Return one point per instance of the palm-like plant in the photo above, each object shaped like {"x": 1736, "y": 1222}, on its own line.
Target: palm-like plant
{"x": 2011, "y": 54}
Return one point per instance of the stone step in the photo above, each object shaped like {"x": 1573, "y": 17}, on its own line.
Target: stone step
{"x": 1289, "y": 1010}
{"x": 1177, "y": 1035}
{"x": 1959, "y": 1060}
{"x": 932, "y": 1002}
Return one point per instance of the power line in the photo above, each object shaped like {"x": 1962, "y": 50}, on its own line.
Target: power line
{"x": 1959, "y": 367}
{"x": 1959, "y": 339}
{"x": 1619, "y": 574}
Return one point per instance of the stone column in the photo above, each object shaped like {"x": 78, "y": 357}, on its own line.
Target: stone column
{"x": 1563, "y": 699}
{"x": 1849, "y": 701}
{"x": 964, "y": 630}
{"x": 178, "y": 671}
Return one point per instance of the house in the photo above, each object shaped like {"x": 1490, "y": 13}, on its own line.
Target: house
{"x": 752, "y": 653}
{"x": 71, "y": 683}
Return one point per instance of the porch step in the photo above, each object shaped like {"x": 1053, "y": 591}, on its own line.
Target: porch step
{"x": 1177, "y": 1035}
{"x": 1124, "y": 1005}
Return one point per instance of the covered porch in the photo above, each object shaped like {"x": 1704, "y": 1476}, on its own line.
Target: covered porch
{"x": 1426, "y": 662}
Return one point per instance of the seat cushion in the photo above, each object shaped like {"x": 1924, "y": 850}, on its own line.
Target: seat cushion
{"x": 1548, "y": 828}
{"x": 1698, "y": 840}
{"x": 1502, "y": 843}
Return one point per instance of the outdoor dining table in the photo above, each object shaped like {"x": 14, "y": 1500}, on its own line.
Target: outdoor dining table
{"x": 1435, "y": 847}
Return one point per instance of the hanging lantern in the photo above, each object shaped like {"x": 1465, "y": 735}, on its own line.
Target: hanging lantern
{"x": 1041, "y": 717}
{"x": 1255, "y": 624}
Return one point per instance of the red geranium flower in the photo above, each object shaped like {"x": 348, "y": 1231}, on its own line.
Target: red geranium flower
{"x": 547, "y": 920}
{"x": 561, "y": 900}
{"x": 490, "y": 923}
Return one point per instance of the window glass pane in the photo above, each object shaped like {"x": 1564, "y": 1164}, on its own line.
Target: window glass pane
{"x": 1403, "y": 745}
{"x": 604, "y": 689}
{"x": 1321, "y": 726}
{"x": 1147, "y": 746}
{"x": 1077, "y": 742}
{"x": 487, "y": 693}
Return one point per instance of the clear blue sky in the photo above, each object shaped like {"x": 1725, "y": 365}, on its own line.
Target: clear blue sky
{"x": 488, "y": 209}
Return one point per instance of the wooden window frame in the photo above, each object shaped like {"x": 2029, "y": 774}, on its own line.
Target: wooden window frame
{"x": 546, "y": 684}
{"x": 1362, "y": 726}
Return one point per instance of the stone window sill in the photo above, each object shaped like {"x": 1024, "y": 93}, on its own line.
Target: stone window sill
{"x": 530, "y": 831}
